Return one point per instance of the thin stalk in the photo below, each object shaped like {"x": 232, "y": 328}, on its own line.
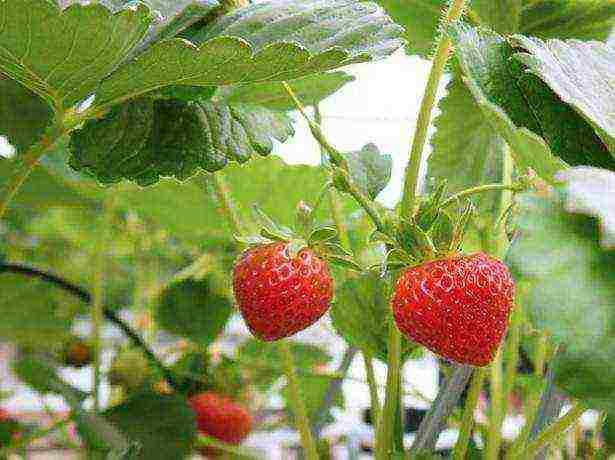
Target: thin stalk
{"x": 467, "y": 422}
{"x": 298, "y": 405}
{"x": 497, "y": 417}
{"x": 338, "y": 159}
{"x": 386, "y": 423}
{"x": 457, "y": 197}
{"x": 373, "y": 388}
{"x": 24, "y": 165}
{"x": 443, "y": 49}
{"x": 97, "y": 310}
{"x": 505, "y": 201}
{"x": 553, "y": 431}
{"x": 336, "y": 156}
{"x": 226, "y": 203}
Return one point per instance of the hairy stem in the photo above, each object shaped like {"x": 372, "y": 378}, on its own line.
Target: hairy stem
{"x": 226, "y": 203}
{"x": 24, "y": 165}
{"x": 467, "y": 423}
{"x": 456, "y": 198}
{"x": 109, "y": 314}
{"x": 297, "y": 403}
{"x": 443, "y": 49}
{"x": 386, "y": 424}
{"x": 237, "y": 452}
{"x": 553, "y": 431}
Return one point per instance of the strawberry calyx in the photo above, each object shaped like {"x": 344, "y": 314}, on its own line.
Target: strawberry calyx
{"x": 322, "y": 240}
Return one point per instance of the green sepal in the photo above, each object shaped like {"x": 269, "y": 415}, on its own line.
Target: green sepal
{"x": 442, "y": 232}
{"x": 461, "y": 226}
{"x": 304, "y": 218}
{"x": 414, "y": 240}
{"x": 335, "y": 249}
{"x": 270, "y": 225}
{"x": 321, "y": 235}
{"x": 430, "y": 208}
{"x": 398, "y": 257}
{"x": 273, "y": 235}
{"x": 378, "y": 237}
{"x": 343, "y": 261}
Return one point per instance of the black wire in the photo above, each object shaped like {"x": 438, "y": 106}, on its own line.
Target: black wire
{"x": 109, "y": 314}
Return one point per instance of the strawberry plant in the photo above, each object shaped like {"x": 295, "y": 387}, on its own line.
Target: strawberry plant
{"x": 140, "y": 198}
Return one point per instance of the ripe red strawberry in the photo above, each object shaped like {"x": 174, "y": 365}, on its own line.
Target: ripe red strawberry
{"x": 280, "y": 295}
{"x": 456, "y": 307}
{"x": 222, "y": 418}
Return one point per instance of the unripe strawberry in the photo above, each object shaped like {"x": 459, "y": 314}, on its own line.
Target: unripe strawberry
{"x": 278, "y": 294}
{"x": 77, "y": 353}
{"x": 222, "y": 418}
{"x": 456, "y": 307}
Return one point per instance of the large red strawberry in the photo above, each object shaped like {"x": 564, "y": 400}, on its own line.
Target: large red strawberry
{"x": 222, "y": 418}
{"x": 278, "y": 294}
{"x": 457, "y": 307}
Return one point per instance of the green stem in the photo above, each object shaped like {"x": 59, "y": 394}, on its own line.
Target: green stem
{"x": 298, "y": 405}
{"x": 336, "y": 156}
{"x": 461, "y": 447}
{"x": 98, "y": 297}
{"x": 478, "y": 189}
{"x": 453, "y": 13}
{"x": 373, "y": 388}
{"x": 497, "y": 417}
{"x": 25, "y": 164}
{"x": 364, "y": 201}
{"x": 226, "y": 203}
{"x": 386, "y": 423}
{"x": 553, "y": 431}
{"x": 505, "y": 201}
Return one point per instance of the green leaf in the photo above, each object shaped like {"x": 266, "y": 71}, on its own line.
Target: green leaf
{"x": 264, "y": 364}
{"x": 420, "y": 19}
{"x": 466, "y": 151}
{"x": 313, "y": 389}
{"x": 37, "y": 372}
{"x": 63, "y": 55}
{"x": 310, "y": 90}
{"x": 34, "y": 312}
{"x": 24, "y": 115}
{"x": 510, "y": 98}
{"x": 145, "y": 139}
{"x": 322, "y": 234}
{"x": 196, "y": 309}
{"x": 608, "y": 431}
{"x": 164, "y": 426}
{"x": 273, "y": 41}
{"x": 571, "y": 295}
{"x": 580, "y": 74}
{"x": 370, "y": 170}
{"x": 360, "y": 315}
{"x": 581, "y": 19}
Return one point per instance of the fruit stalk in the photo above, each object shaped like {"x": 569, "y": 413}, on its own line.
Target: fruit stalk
{"x": 467, "y": 422}
{"x": 457, "y": 197}
{"x": 443, "y": 49}
{"x": 298, "y": 406}
{"x": 226, "y": 202}
{"x": 386, "y": 423}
